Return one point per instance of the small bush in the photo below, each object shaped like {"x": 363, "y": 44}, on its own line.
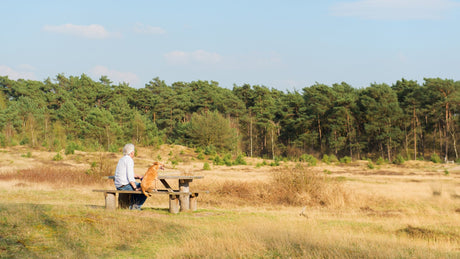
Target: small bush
{"x": 24, "y": 141}
{"x": 2, "y": 140}
{"x": 435, "y": 158}
{"x": 311, "y": 160}
{"x": 206, "y": 166}
{"x": 333, "y": 158}
{"x": 370, "y": 165}
{"x": 210, "y": 150}
{"x": 380, "y": 161}
{"x": 345, "y": 160}
{"x": 399, "y": 160}
{"x": 274, "y": 163}
{"x": 217, "y": 160}
{"x": 239, "y": 160}
{"x": 326, "y": 159}
{"x": 228, "y": 160}
{"x": 200, "y": 156}
{"x": 174, "y": 162}
{"x": 71, "y": 147}
{"x": 28, "y": 155}
{"x": 57, "y": 157}
{"x": 113, "y": 149}
{"x": 264, "y": 163}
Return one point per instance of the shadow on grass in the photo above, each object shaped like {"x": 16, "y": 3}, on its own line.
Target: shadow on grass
{"x": 157, "y": 210}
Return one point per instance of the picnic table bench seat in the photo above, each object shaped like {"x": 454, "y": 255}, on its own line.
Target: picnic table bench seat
{"x": 174, "y": 199}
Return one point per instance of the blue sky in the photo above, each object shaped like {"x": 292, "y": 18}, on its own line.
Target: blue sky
{"x": 287, "y": 45}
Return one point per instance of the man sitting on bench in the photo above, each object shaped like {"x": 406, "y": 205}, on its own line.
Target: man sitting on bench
{"x": 125, "y": 177}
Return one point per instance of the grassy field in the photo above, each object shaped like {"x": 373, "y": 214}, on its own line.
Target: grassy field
{"x": 48, "y": 209}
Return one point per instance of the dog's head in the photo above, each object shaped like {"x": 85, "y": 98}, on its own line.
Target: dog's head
{"x": 157, "y": 165}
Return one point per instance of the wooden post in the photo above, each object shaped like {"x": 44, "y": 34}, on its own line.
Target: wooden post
{"x": 110, "y": 201}
{"x": 124, "y": 200}
{"x": 184, "y": 199}
{"x": 173, "y": 203}
{"x": 193, "y": 198}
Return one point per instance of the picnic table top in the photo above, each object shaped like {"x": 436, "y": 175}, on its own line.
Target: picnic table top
{"x": 179, "y": 177}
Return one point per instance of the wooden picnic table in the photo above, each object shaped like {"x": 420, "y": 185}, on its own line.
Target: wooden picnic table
{"x": 182, "y": 199}
{"x": 186, "y": 202}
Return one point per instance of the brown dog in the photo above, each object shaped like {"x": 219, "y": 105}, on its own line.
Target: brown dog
{"x": 149, "y": 181}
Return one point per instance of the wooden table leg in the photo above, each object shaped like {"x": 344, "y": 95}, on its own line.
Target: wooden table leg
{"x": 184, "y": 199}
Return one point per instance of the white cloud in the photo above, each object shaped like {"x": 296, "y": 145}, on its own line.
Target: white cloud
{"x": 195, "y": 57}
{"x": 395, "y": 9}
{"x": 147, "y": 29}
{"x": 114, "y": 75}
{"x": 24, "y": 73}
{"x": 93, "y": 31}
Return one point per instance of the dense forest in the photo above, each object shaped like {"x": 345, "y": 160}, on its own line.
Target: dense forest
{"x": 408, "y": 119}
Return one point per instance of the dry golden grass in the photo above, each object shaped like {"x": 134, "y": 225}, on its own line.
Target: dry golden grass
{"x": 48, "y": 210}
{"x": 57, "y": 176}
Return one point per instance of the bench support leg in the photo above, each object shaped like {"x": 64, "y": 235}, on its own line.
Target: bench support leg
{"x": 110, "y": 201}
{"x": 173, "y": 203}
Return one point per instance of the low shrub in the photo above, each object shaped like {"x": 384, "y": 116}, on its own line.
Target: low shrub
{"x": 326, "y": 159}
{"x": 206, "y": 166}
{"x": 57, "y": 157}
{"x": 239, "y": 160}
{"x": 228, "y": 160}
{"x": 345, "y": 160}
{"x": 380, "y": 161}
{"x": 435, "y": 158}
{"x": 27, "y": 155}
{"x": 210, "y": 150}
{"x": 399, "y": 160}
{"x": 370, "y": 165}
{"x": 333, "y": 158}
{"x": 311, "y": 160}
{"x": 71, "y": 147}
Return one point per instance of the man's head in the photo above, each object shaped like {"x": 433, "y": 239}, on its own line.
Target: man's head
{"x": 128, "y": 149}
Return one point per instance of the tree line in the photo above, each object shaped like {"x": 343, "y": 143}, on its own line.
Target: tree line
{"x": 407, "y": 118}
